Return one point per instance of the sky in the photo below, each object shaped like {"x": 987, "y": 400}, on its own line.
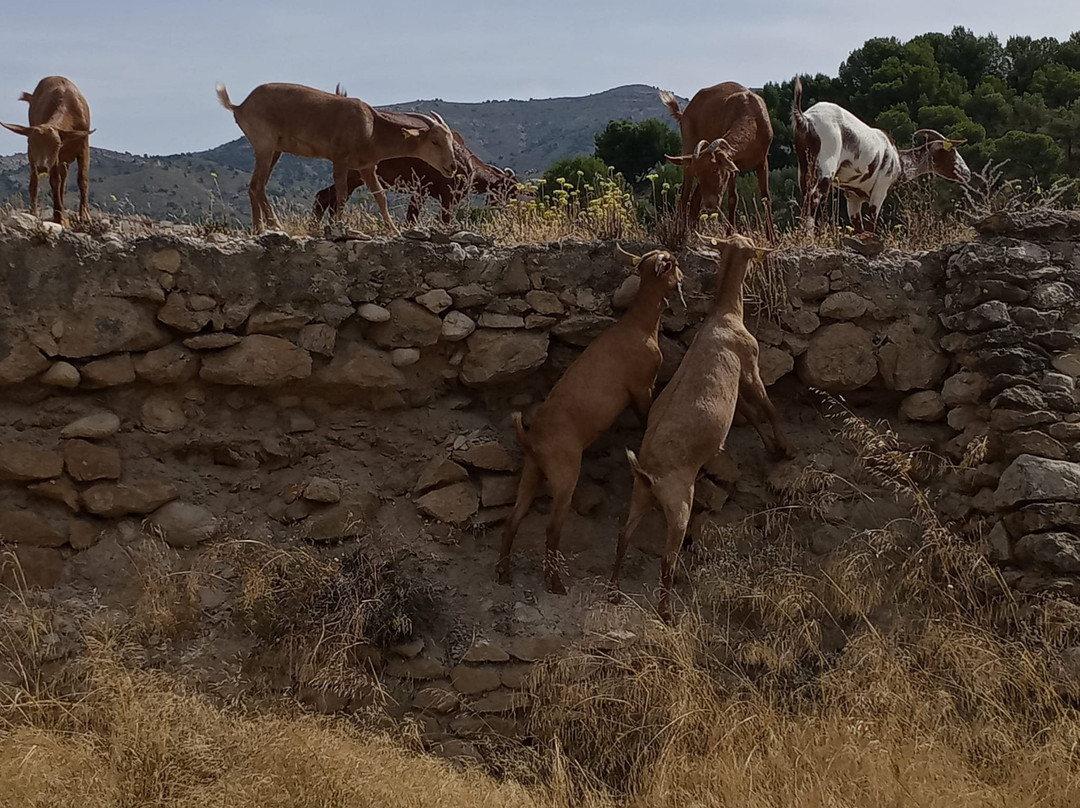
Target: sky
{"x": 148, "y": 69}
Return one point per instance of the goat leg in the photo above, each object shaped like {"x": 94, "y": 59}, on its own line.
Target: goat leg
{"x": 33, "y": 191}
{"x": 84, "y": 184}
{"x": 371, "y": 180}
{"x": 562, "y": 481}
{"x": 530, "y": 478}
{"x": 678, "y": 518}
{"x": 640, "y": 501}
{"x": 56, "y": 180}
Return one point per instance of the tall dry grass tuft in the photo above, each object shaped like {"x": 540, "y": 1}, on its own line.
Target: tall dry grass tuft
{"x": 898, "y": 671}
{"x": 323, "y": 615}
{"x": 139, "y": 738}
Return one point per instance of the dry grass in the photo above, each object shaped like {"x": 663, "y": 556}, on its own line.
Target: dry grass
{"x": 897, "y": 671}
{"x": 322, "y": 616}
{"x": 140, "y": 739}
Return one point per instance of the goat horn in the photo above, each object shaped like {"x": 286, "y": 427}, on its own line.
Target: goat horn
{"x": 431, "y": 122}
{"x": 931, "y": 135}
{"x": 701, "y": 145}
{"x": 510, "y": 173}
{"x": 629, "y": 259}
{"x": 438, "y": 118}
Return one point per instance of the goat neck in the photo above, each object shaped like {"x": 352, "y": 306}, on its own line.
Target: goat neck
{"x": 729, "y": 287}
{"x": 914, "y": 163}
{"x": 649, "y": 304}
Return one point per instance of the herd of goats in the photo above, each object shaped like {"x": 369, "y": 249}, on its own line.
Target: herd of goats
{"x": 725, "y": 129}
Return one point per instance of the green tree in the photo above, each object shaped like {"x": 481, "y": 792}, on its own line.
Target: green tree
{"x": 1030, "y": 155}
{"x": 972, "y": 57}
{"x": 1027, "y": 55}
{"x": 897, "y": 122}
{"x": 991, "y": 105}
{"x": 1055, "y": 82}
{"x": 952, "y": 122}
{"x": 1064, "y": 127}
{"x": 633, "y": 149}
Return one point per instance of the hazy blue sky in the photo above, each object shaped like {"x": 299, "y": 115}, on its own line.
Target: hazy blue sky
{"x": 148, "y": 69}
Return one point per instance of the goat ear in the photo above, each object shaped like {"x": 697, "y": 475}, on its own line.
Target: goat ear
{"x": 681, "y": 159}
{"x": 75, "y": 134}
{"x": 408, "y": 133}
{"x": 25, "y": 131}
{"x": 761, "y": 252}
{"x": 627, "y": 259}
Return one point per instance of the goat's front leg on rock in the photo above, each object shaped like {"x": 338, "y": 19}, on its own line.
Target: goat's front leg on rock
{"x": 617, "y": 370}
{"x": 690, "y": 420}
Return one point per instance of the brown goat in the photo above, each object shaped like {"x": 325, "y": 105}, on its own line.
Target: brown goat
{"x": 278, "y": 118}
{"x": 415, "y": 177}
{"x": 691, "y": 418}
{"x": 617, "y": 369}
{"x": 59, "y": 133}
{"x": 735, "y": 121}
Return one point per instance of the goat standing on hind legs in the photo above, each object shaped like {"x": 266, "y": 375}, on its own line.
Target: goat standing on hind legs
{"x": 691, "y": 418}
{"x": 617, "y": 369}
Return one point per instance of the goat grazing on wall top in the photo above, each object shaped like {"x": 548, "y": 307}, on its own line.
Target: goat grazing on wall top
{"x": 58, "y": 134}
{"x": 279, "y": 118}
{"x": 834, "y": 148}
{"x": 735, "y": 124}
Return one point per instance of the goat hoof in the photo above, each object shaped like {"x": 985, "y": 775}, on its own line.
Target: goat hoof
{"x": 502, "y": 574}
{"x": 614, "y": 595}
{"x": 556, "y": 587}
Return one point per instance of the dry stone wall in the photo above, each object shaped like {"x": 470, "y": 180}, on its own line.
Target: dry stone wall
{"x": 1014, "y": 327}
{"x": 127, "y": 367}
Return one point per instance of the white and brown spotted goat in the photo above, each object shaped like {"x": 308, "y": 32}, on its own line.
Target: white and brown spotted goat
{"x": 835, "y": 148}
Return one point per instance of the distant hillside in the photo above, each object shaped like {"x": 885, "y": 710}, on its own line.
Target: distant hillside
{"x": 524, "y": 135}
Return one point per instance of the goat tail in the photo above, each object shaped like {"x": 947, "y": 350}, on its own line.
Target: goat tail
{"x": 639, "y": 472}
{"x": 798, "y": 120}
{"x": 672, "y": 103}
{"x": 519, "y": 433}
{"x": 223, "y": 97}
{"x": 26, "y": 97}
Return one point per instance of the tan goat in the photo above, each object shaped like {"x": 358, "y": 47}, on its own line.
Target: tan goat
{"x": 690, "y": 420}
{"x": 58, "y": 134}
{"x": 279, "y": 118}
{"x": 617, "y": 369}
{"x": 735, "y": 123}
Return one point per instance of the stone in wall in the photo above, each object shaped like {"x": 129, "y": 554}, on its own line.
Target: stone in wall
{"x": 839, "y": 358}
{"x": 362, "y": 367}
{"x": 409, "y": 326}
{"x": 22, "y": 362}
{"x": 257, "y": 361}
{"x": 497, "y": 357}
{"x": 108, "y": 325}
